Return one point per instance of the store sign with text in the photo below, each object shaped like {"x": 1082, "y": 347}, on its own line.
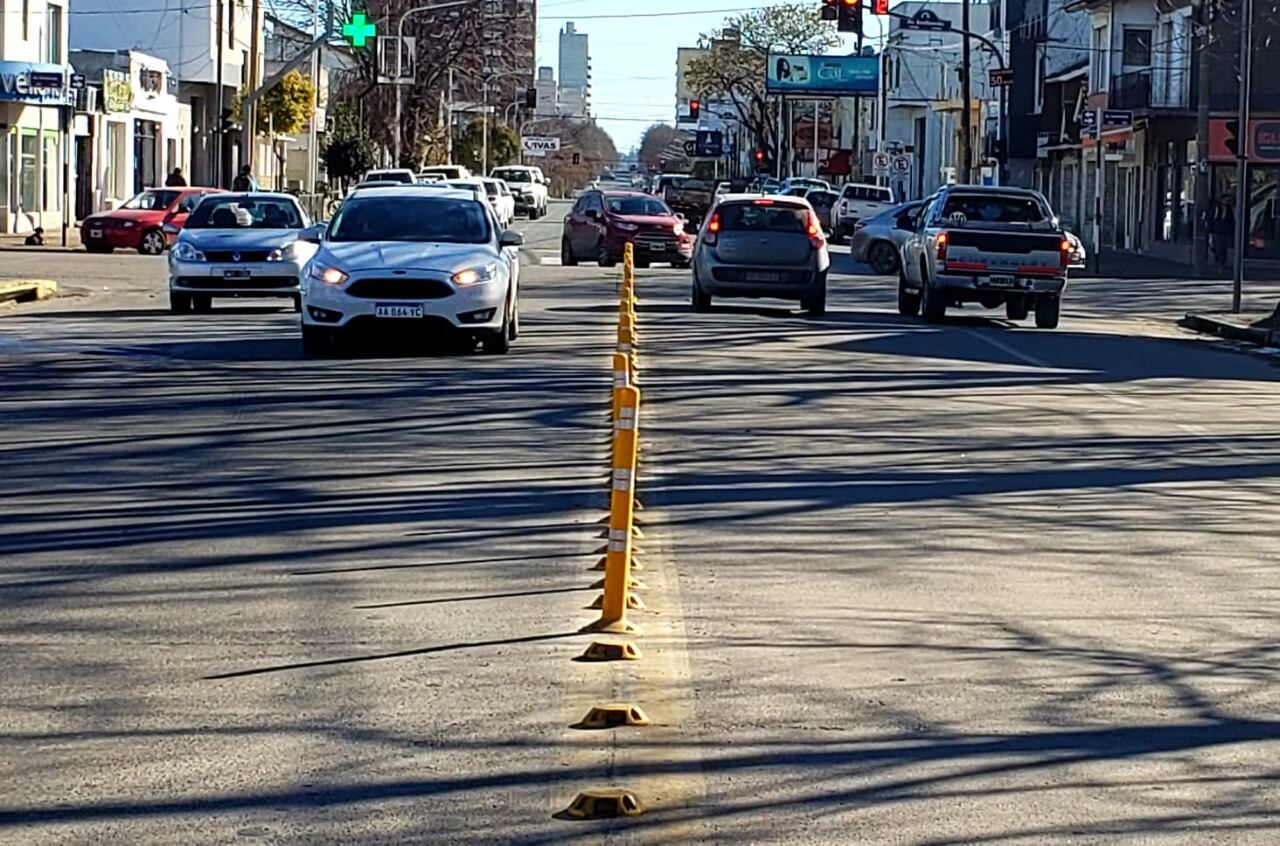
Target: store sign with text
{"x": 1263, "y": 138}
{"x": 40, "y": 84}
{"x": 826, "y": 75}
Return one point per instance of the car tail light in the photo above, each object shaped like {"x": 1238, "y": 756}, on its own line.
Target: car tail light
{"x": 815, "y": 231}
{"x": 1064, "y": 250}
{"x": 713, "y": 229}
{"x": 762, "y": 202}
{"x": 942, "y": 245}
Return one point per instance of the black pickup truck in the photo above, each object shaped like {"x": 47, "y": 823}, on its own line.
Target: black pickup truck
{"x": 690, "y": 197}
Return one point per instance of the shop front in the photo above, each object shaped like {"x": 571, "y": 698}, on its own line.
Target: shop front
{"x": 35, "y": 109}
{"x": 1262, "y": 217}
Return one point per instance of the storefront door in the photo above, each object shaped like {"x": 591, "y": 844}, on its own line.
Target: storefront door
{"x": 144, "y": 155}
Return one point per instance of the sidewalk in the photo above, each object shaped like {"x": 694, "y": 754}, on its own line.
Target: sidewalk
{"x": 1132, "y": 266}
{"x": 52, "y": 242}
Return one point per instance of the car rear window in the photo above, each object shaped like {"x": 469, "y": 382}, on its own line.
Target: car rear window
{"x": 867, "y": 192}
{"x": 993, "y": 208}
{"x": 763, "y": 217}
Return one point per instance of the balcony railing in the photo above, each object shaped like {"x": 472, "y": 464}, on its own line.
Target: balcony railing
{"x": 1131, "y": 90}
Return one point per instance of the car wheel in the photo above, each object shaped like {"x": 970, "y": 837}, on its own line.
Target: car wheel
{"x": 1048, "y": 311}
{"x": 513, "y": 328}
{"x": 882, "y": 258}
{"x": 932, "y": 306}
{"x": 1016, "y": 308}
{"x": 816, "y": 304}
{"x": 908, "y": 303}
{"x": 499, "y": 342}
{"x": 202, "y": 303}
{"x": 567, "y": 258}
{"x": 602, "y": 255}
{"x": 152, "y": 243}
{"x": 837, "y": 235}
{"x": 179, "y": 303}
{"x": 701, "y": 299}
{"x": 317, "y": 341}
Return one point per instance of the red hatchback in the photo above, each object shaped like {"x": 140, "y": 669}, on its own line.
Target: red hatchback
{"x": 148, "y": 223}
{"x": 601, "y": 222}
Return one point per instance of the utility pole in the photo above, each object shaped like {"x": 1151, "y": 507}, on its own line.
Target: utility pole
{"x": 249, "y": 113}
{"x": 1243, "y": 138}
{"x": 313, "y": 145}
{"x": 966, "y": 94}
{"x": 218, "y": 98}
{"x": 1200, "y": 250}
{"x": 1099, "y": 193}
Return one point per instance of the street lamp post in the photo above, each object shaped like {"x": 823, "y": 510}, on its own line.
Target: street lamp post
{"x": 431, "y": 7}
{"x": 485, "y": 79}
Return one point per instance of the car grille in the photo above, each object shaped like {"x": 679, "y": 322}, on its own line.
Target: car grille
{"x": 213, "y": 283}
{"x": 400, "y": 289}
{"x": 739, "y": 274}
{"x": 656, "y": 241}
{"x": 233, "y": 256}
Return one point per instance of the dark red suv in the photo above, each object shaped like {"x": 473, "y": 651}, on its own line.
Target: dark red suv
{"x": 601, "y": 222}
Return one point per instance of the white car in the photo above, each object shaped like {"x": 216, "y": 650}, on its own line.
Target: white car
{"x": 446, "y": 171}
{"x": 528, "y": 188}
{"x": 395, "y": 174}
{"x": 857, "y": 202}
{"x": 504, "y": 205}
{"x": 430, "y": 261}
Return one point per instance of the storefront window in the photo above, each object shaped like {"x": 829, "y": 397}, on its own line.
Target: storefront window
{"x": 52, "y": 182}
{"x": 115, "y": 183}
{"x": 28, "y": 172}
{"x": 6, "y": 143}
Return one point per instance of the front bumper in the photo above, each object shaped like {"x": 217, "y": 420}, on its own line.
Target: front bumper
{"x": 332, "y": 307}
{"x": 652, "y": 250}
{"x": 247, "y": 279}
{"x": 114, "y": 237}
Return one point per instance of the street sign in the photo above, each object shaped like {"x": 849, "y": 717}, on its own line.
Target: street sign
{"x": 396, "y": 59}
{"x": 359, "y": 30}
{"x": 881, "y": 162}
{"x": 77, "y": 81}
{"x": 690, "y": 148}
{"x": 1000, "y": 77}
{"x": 709, "y": 144}
{"x": 1116, "y": 117}
{"x": 540, "y": 145}
{"x": 901, "y": 163}
{"x": 926, "y": 20}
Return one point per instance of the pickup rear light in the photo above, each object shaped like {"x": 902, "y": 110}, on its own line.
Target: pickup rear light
{"x": 1064, "y": 250}
{"x": 941, "y": 241}
{"x": 815, "y": 231}
{"x": 713, "y": 229}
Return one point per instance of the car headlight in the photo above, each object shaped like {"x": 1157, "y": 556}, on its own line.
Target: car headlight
{"x": 288, "y": 252}
{"x": 182, "y": 251}
{"x": 626, "y": 227}
{"x": 678, "y": 229}
{"x": 476, "y": 275}
{"x": 327, "y": 275}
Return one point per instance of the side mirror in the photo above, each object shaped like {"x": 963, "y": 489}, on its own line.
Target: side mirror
{"x": 312, "y": 234}
{"x": 510, "y": 238}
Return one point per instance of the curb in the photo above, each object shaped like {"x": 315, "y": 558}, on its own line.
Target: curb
{"x": 27, "y": 290}
{"x": 1226, "y": 329}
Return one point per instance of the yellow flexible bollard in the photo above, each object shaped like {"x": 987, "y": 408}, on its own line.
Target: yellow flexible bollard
{"x": 617, "y": 568}
{"x": 628, "y": 263}
{"x": 621, "y": 379}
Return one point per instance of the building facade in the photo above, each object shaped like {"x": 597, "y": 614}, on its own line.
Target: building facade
{"x": 575, "y": 72}
{"x": 36, "y": 103}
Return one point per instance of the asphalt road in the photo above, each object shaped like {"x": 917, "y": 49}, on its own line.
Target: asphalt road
{"x": 909, "y": 584}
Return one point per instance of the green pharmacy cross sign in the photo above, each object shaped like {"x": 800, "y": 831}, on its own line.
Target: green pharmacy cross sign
{"x": 359, "y": 30}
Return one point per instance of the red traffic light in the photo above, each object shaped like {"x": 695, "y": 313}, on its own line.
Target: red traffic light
{"x": 880, "y": 7}
{"x": 759, "y": 154}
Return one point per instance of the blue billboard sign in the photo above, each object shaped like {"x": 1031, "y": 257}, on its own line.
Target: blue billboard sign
{"x": 42, "y": 84}
{"x": 829, "y": 75}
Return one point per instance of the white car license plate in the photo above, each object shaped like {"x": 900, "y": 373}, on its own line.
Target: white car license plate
{"x": 95, "y": 233}
{"x": 402, "y": 310}
{"x": 1004, "y": 281}
{"x": 763, "y": 277}
{"x": 236, "y": 274}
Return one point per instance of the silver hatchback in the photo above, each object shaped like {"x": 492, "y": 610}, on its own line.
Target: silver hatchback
{"x": 753, "y": 246}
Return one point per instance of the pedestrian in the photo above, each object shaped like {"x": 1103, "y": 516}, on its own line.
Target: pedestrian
{"x": 1222, "y": 226}
{"x": 176, "y": 179}
{"x": 245, "y": 181}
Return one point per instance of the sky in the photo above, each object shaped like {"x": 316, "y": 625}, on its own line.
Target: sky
{"x": 633, "y": 53}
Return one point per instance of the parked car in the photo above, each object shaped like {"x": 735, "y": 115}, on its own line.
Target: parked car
{"x": 753, "y": 246}
{"x": 504, "y": 205}
{"x": 402, "y": 175}
{"x": 602, "y": 222}
{"x": 148, "y": 223}
{"x": 444, "y": 171}
{"x": 238, "y": 245}
{"x": 428, "y": 261}
{"x": 878, "y": 240}
{"x": 992, "y": 246}
{"x": 528, "y": 188}
{"x": 857, "y": 202}
{"x": 1078, "y": 255}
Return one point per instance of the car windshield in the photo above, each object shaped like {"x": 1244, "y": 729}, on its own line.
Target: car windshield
{"x": 960, "y": 209}
{"x": 636, "y": 205}
{"x": 763, "y": 217}
{"x": 151, "y": 201}
{"x": 400, "y": 218}
{"x": 246, "y": 213}
{"x": 513, "y": 175}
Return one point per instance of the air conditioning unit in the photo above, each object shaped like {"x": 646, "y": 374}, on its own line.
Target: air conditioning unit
{"x": 87, "y": 99}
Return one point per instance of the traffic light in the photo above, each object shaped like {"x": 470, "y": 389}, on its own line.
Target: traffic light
{"x": 849, "y": 18}
{"x": 694, "y": 108}
{"x": 879, "y": 7}
{"x": 759, "y": 154}
{"x": 531, "y": 98}
{"x": 829, "y": 11}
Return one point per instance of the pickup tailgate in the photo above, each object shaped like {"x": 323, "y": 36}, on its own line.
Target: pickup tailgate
{"x": 1016, "y": 253}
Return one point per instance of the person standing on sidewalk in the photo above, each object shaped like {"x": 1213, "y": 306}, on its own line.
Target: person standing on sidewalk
{"x": 1222, "y": 227}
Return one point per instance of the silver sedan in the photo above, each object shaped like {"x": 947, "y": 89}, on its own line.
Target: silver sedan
{"x": 878, "y": 239}
{"x": 753, "y": 246}
{"x": 238, "y": 245}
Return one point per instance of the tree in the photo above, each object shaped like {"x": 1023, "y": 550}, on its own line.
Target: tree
{"x": 653, "y": 148}
{"x": 733, "y": 68}
{"x": 581, "y": 138}
{"x": 288, "y": 106}
{"x": 468, "y": 149}
{"x": 349, "y": 154}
